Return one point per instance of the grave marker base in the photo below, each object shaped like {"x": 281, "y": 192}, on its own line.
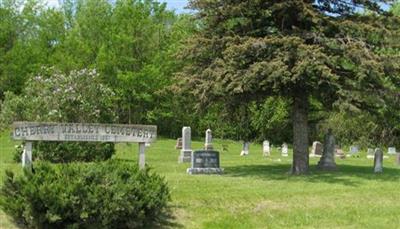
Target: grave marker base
{"x": 186, "y": 156}
{"x": 192, "y": 171}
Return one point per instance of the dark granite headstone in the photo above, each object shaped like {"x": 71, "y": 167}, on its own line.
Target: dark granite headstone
{"x": 205, "y": 162}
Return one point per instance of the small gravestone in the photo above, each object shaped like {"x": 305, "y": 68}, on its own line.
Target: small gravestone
{"x": 178, "y": 143}
{"x": 284, "y": 152}
{"x": 205, "y": 162}
{"x": 208, "y": 144}
{"x": 392, "y": 150}
{"x": 316, "y": 150}
{"x": 370, "y": 153}
{"x": 327, "y": 161}
{"x": 245, "y": 149}
{"x": 339, "y": 152}
{"x": 186, "y": 152}
{"x": 378, "y": 161}
{"x": 354, "y": 151}
{"x": 266, "y": 149}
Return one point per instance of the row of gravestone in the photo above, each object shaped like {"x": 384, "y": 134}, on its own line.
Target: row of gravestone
{"x": 207, "y": 161}
{"x": 317, "y": 149}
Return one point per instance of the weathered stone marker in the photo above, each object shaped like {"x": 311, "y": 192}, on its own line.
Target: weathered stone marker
{"x": 284, "y": 152}
{"x": 208, "y": 144}
{"x": 178, "y": 143}
{"x": 266, "y": 148}
{"x": 339, "y": 152}
{"x": 316, "y": 150}
{"x": 82, "y": 132}
{"x": 378, "y": 161}
{"x": 205, "y": 162}
{"x": 186, "y": 152}
{"x": 245, "y": 149}
{"x": 327, "y": 161}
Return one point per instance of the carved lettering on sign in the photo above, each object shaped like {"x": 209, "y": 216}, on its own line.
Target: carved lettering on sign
{"x": 35, "y": 131}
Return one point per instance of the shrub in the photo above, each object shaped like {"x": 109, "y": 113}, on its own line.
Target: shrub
{"x": 65, "y": 152}
{"x": 53, "y": 96}
{"x": 103, "y": 195}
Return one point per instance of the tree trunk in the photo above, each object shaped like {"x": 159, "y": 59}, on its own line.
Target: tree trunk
{"x": 300, "y": 133}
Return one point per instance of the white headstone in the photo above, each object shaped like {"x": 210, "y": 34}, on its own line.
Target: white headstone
{"x": 392, "y": 150}
{"x": 186, "y": 138}
{"x": 266, "y": 148}
{"x": 370, "y": 153}
{"x": 245, "y": 149}
{"x": 186, "y": 151}
{"x": 208, "y": 144}
{"x": 354, "y": 151}
{"x": 284, "y": 150}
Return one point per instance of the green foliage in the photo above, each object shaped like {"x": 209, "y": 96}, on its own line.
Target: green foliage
{"x": 396, "y": 8}
{"x": 349, "y": 129}
{"x": 132, "y": 44}
{"x": 12, "y": 108}
{"x": 101, "y": 195}
{"x": 341, "y": 54}
{"x": 53, "y": 96}
{"x": 271, "y": 120}
{"x": 247, "y": 51}
{"x": 63, "y": 152}
{"x": 77, "y": 151}
{"x": 29, "y": 36}
{"x": 78, "y": 96}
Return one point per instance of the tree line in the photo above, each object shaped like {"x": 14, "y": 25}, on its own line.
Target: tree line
{"x": 249, "y": 70}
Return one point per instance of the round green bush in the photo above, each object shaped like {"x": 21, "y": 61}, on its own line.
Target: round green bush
{"x": 64, "y": 152}
{"x": 109, "y": 194}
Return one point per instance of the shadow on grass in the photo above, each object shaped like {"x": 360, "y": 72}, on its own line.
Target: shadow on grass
{"x": 124, "y": 160}
{"x": 345, "y": 174}
{"x": 166, "y": 220}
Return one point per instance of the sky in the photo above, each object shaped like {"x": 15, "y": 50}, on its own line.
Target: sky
{"x": 177, "y": 5}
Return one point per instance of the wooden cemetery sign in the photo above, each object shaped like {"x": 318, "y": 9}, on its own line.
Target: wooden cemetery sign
{"x": 82, "y": 132}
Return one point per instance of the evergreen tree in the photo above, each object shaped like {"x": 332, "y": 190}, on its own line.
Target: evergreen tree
{"x": 325, "y": 50}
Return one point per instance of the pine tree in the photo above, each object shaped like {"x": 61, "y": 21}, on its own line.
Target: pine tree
{"x": 328, "y": 50}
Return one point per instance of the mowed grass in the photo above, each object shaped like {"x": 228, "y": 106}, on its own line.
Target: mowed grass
{"x": 257, "y": 192}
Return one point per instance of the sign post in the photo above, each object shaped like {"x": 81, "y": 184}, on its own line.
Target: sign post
{"x": 86, "y": 132}
{"x": 27, "y": 156}
{"x": 142, "y": 147}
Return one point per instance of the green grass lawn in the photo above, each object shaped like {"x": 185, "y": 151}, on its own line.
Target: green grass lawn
{"x": 257, "y": 192}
